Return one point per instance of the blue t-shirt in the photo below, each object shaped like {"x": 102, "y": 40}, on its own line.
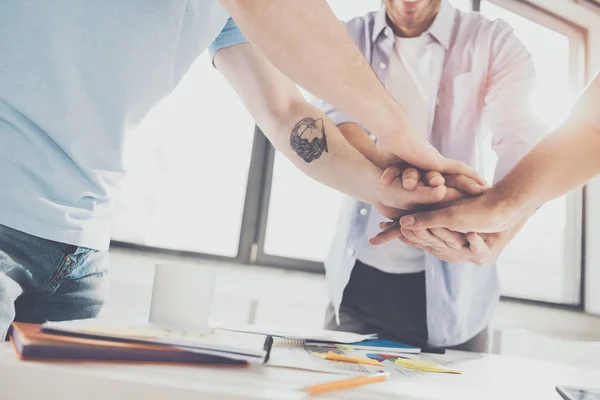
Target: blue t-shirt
{"x": 74, "y": 77}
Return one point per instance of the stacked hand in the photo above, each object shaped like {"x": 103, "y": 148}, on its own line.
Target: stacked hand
{"x": 438, "y": 228}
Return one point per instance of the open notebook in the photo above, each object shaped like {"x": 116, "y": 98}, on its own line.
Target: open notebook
{"x": 254, "y": 348}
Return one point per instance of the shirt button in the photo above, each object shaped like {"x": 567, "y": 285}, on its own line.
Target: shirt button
{"x": 363, "y": 211}
{"x": 372, "y": 137}
{"x": 382, "y": 65}
{"x": 350, "y": 251}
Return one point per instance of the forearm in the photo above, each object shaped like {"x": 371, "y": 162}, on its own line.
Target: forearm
{"x": 566, "y": 159}
{"x": 307, "y": 43}
{"x": 359, "y": 139}
{"x": 278, "y": 107}
{"x": 340, "y": 167}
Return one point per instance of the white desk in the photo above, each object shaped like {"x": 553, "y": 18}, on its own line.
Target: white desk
{"x": 484, "y": 377}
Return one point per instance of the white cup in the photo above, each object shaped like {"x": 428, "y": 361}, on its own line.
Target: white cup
{"x": 182, "y": 297}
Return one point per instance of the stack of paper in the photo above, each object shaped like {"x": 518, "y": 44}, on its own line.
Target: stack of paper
{"x": 254, "y": 348}
{"x": 30, "y": 343}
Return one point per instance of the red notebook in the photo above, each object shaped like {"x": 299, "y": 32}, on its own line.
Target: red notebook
{"x": 32, "y": 344}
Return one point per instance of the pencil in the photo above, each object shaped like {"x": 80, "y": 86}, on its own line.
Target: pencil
{"x": 342, "y": 384}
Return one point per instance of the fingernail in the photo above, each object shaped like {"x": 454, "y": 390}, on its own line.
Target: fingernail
{"x": 476, "y": 188}
{"x": 407, "y": 221}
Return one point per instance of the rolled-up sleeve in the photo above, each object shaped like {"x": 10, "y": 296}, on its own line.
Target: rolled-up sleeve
{"x": 229, "y": 36}
{"x": 587, "y": 107}
{"x": 511, "y": 78}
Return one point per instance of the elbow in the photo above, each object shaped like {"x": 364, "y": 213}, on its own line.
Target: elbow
{"x": 282, "y": 112}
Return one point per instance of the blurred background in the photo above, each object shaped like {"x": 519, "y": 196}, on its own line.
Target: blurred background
{"x": 207, "y": 188}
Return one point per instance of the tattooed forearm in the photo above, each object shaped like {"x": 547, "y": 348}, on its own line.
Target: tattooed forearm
{"x": 308, "y": 139}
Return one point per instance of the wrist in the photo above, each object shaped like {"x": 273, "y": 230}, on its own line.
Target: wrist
{"x": 506, "y": 205}
{"x": 392, "y": 123}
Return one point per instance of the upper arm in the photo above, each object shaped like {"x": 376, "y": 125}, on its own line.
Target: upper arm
{"x": 265, "y": 91}
{"x": 511, "y": 79}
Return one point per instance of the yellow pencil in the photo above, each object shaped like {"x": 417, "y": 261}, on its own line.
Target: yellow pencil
{"x": 342, "y": 384}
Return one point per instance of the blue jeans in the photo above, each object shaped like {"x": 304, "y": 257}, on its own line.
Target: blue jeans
{"x": 42, "y": 280}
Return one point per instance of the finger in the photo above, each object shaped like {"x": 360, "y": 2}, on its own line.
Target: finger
{"x": 425, "y": 195}
{"x": 410, "y": 178}
{"x": 409, "y": 243}
{"x": 434, "y": 178}
{"x": 389, "y": 175}
{"x": 412, "y": 237}
{"x": 464, "y": 184}
{"x": 453, "y": 239}
{"x": 431, "y": 240}
{"x": 459, "y": 168}
{"x": 442, "y": 218}
{"x": 453, "y": 194}
{"x": 477, "y": 244}
{"x": 384, "y": 225}
{"x": 390, "y": 233}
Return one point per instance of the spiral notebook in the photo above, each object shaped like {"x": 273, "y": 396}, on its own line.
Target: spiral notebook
{"x": 376, "y": 345}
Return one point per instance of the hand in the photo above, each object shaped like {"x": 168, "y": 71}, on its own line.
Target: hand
{"x": 412, "y": 178}
{"x": 488, "y": 213}
{"x": 479, "y": 249}
{"x": 413, "y": 149}
{"x": 456, "y": 186}
{"x": 397, "y": 197}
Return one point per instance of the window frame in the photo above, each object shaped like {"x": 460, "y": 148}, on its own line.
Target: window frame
{"x": 574, "y": 283}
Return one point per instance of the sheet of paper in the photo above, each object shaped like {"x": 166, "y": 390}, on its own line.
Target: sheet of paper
{"x": 300, "y": 333}
{"x": 302, "y": 358}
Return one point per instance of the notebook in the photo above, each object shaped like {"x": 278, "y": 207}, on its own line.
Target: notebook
{"x": 385, "y": 346}
{"x": 30, "y": 343}
{"x": 375, "y": 345}
{"x": 253, "y": 348}
{"x": 312, "y": 335}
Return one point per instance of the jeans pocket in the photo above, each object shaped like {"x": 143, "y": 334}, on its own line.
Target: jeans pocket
{"x": 70, "y": 262}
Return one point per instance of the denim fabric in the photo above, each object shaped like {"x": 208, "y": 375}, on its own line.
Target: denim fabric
{"x": 42, "y": 280}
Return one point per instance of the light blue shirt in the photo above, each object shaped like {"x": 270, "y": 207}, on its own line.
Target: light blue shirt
{"x": 483, "y": 79}
{"x": 74, "y": 77}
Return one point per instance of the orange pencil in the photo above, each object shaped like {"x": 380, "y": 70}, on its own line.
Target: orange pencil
{"x": 321, "y": 388}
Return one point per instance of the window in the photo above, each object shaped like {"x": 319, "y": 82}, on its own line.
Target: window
{"x": 302, "y": 212}
{"x": 187, "y": 187}
{"x": 543, "y": 261}
{"x": 188, "y": 166}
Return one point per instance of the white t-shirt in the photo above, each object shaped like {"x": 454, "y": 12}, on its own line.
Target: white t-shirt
{"x": 409, "y": 81}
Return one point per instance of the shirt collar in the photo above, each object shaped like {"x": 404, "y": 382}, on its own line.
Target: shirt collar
{"x": 440, "y": 29}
